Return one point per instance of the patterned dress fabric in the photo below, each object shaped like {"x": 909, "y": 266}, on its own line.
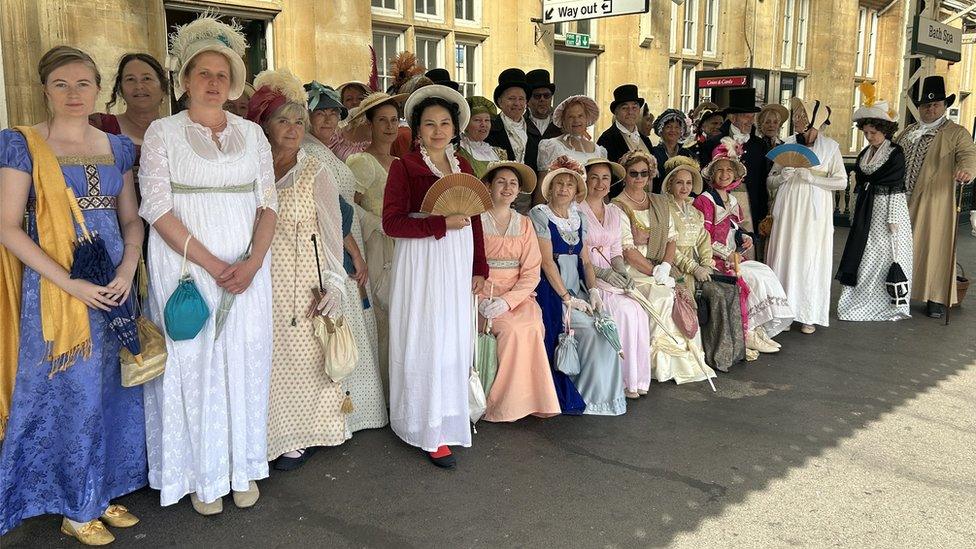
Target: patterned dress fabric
{"x": 523, "y": 385}
{"x": 207, "y": 415}
{"x": 74, "y": 441}
{"x": 304, "y": 404}
{"x": 365, "y": 384}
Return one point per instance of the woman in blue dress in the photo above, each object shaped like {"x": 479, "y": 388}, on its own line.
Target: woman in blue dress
{"x": 74, "y": 438}
{"x": 567, "y": 273}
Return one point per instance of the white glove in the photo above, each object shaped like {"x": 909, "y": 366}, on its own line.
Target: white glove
{"x": 788, "y": 172}
{"x": 612, "y": 277}
{"x": 702, "y": 273}
{"x": 596, "y": 302}
{"x": 493, "y": 308}
{"x": 330, "y": 304}
{"x": 579, "y": 305}
{"x": 662, "y": 273}
{"x": 804, "y": 174}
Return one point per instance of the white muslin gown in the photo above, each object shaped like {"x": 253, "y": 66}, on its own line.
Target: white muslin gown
{"x": 800, "y": 249}
{"x": 206, "y": 416}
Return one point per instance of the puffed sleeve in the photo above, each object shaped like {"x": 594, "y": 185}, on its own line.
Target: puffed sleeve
{"x": 547, "y": 154}
{"x": 125, "y": 152}
{"x": 154, "y": 179}
{"x": 267, "y": 195}
{"x": 361, "y": 168}
{"x": 396, "y": 209}
{"x": 601, "y": 151}
{"x": 626, "y": 233}
{"x": 530, "y": 267}
{"x": 13, "y": 151}
{"x": 540, "y": 221}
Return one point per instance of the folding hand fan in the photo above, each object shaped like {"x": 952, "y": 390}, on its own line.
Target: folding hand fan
{"x": 793, "y": 155}
{"x": 457, "y": 194}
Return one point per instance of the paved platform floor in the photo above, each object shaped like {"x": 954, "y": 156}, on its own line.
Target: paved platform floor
{"x": 862, "y": 435}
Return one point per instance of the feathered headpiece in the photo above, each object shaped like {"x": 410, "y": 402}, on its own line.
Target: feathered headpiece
{"x": 402, "y": 67}
{"x": 207, "y": 33}
{"x": 727, "y": 149}
{"x": 561, "y": 165}
{"x": 871, "y": 106}
{"x": 273, "y": 89}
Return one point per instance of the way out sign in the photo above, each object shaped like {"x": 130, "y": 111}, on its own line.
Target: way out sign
{"x": 559, "y": 11}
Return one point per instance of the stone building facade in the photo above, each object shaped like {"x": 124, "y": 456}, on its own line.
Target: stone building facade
{"x": 813, "y": 48}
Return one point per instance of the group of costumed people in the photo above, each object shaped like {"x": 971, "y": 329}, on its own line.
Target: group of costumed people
{"x": 277, "y": 212}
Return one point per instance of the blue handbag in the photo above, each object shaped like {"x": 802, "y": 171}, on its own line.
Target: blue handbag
{"x": 186, "y": 311}
{"x": 567, "y": 354}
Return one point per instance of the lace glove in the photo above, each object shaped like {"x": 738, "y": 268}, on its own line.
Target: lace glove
{"x": 662, "y": 273}
{"x": 702, "y": 273}
{"x": 611, "y": 277}
{"x": 494, "y": 307}
{"x": 330, "y": 304}
{"x": 579, "y": 305}
{"x": 595, "y": 301}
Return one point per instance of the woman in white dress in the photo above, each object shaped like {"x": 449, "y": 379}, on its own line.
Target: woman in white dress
{"x": 365, "y": 384}
{"x": 208, "y": 188}
{"x": 573, "y": 116}
{"x": 801, "y": 244}
{"x": 438, "y": 262}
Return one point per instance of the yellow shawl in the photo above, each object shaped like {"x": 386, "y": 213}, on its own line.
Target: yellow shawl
{"x": 64, "y": 319}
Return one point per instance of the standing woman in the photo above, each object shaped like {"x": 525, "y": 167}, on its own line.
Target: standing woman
{"x": 881, "y": 232}
{"x": 350, "y": 139}
{"x": 605, "y": 248}
{"x": 73, "y": 438}
{"x": 142, "y": 84}
{"x": 673, "y": 127}
{"x": 438, "y": 262}
{"x": 365, "y": 383}
{"x": 379, "y": 112}
{"x": 208, "y": 192}
{"x": 573, "y": 116}
{"x": 304, "y": 409}
{"x": 568, "y": 288}
{"x": 473, "y": 147}
{"x": 523, "y": 385}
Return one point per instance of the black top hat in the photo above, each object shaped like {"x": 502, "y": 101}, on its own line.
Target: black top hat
{"x": 742, "y": 101}
{"x": 933, "y": 89}
{"x": 539, "y": 78}
{"x": 511, "y": 78}
{"x": 442, "y": 77}
{"x": 625, "y": 93}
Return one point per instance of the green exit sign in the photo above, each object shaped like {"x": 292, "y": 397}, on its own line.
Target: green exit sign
{"x": 577, "y": 40}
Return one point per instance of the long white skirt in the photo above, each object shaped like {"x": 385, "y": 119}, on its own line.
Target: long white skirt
{"x": 431, "y": 340}
{"x": 768, "y": 307}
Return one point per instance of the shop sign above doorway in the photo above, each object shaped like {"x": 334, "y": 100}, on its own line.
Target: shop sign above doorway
{"x": 559, "y": 11}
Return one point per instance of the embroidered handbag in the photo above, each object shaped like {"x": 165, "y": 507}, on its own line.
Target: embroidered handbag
{"x": 896, "y": 283}
{"x": 186, "y": 311}
{"x": 567, "y": 355}
{"x": 684, "y": 313}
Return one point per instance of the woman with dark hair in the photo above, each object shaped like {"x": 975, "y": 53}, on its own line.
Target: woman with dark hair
{"x": 881, "y": 231}
{"x": 141, "y": 83}
{"x": 438, "y": 263}
{"x": 674, "y": 128}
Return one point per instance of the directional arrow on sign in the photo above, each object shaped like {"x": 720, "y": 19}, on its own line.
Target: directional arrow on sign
{"x": 607, "y": 7}
{"x": 549, "y": 13}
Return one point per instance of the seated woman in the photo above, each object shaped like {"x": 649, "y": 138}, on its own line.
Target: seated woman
{"x": 648, "y": 241}
{"x": 603, "y": 245}
{"x": 765, "y": 309}
{"x": 573, "y": 116}
{"x": 523, "y": 385}
{"x": 561, "y": 229}
{"x": 693, "y": 261}
{"x": 473, "y": 147}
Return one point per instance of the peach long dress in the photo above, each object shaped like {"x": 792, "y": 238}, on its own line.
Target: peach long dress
{"x": 523, "y": 385}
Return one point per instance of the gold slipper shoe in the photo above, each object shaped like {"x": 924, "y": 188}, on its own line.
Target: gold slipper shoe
{"x": 119, "y": 517}
{"x": 90, "y": 533}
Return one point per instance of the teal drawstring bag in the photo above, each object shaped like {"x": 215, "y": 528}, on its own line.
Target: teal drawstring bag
{"x": 186, "y": 311}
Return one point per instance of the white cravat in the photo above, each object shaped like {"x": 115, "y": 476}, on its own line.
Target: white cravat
{"x": 517, "y": 136}
{"x": 924, "y": 129}
{"x": 739, "y": 136}
{"x": 633, "y": 138}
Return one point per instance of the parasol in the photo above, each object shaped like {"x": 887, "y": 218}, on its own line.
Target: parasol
{"x": 227, "y": 298}
{"x": 486, "y": 357}
{"x": 606, "y": 327}
{"x": 91, "y": 262}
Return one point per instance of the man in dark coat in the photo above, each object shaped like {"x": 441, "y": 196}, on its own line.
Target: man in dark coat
{"x": 741, "y": 114}
{"x": 509, "y": 130}
{"x": 622, "y": 136}
{"x": 539, "y": 114}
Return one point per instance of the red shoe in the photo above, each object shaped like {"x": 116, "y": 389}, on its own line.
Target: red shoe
{"x": 442, "y": 457}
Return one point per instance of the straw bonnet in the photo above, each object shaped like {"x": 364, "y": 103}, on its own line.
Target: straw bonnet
{"x": 565, "y": 164}
{"x": 357, "y": 83}
{"x": 782, "y": 112}
{"x": 806, "y": 116}
{"x": 445, "y": 93}
{"x": 526, "y": 175}
{"x": 637, "y": 155}
{"x": 676, "y": 164}
{"x": 727, "y": 149}
{"x": 589, "y": 107}
{"x": 616, "y": 170}
{"x": 207, "y": 33}
{"x": 357, "y": 115}
{"x": 273, "y": 89}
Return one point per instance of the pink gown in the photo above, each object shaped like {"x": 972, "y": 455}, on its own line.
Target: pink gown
{"x": 632, "y": 321}
{"x": 523, "y": 385}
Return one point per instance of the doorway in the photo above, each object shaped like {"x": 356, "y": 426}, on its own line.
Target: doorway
{"x": 574, "y": 74}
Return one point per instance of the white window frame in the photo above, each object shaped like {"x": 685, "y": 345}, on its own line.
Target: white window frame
{"x": 802, "y": 33}
{"x": 967, "y": 70}
{"x": 686, "y": 101}
{"x": 862, "y": 18}
{"x": 789, "y": 13}
{"x": 872, "y": 39}
{"x": 673, "y": 89}
{"x": 674, "y": 28}
{"x": 438, "y": 52}
{"x": 712, "y": 10}
{"x": 689, "y": 27}
{"x": 855, "y": 133}
{"x": 423, "y": 16}
{"x": 381, "y": 55}
{"x": 475, "y": 21}
{"x": 476, "y": 68}
{"x": 397, "y": 10}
